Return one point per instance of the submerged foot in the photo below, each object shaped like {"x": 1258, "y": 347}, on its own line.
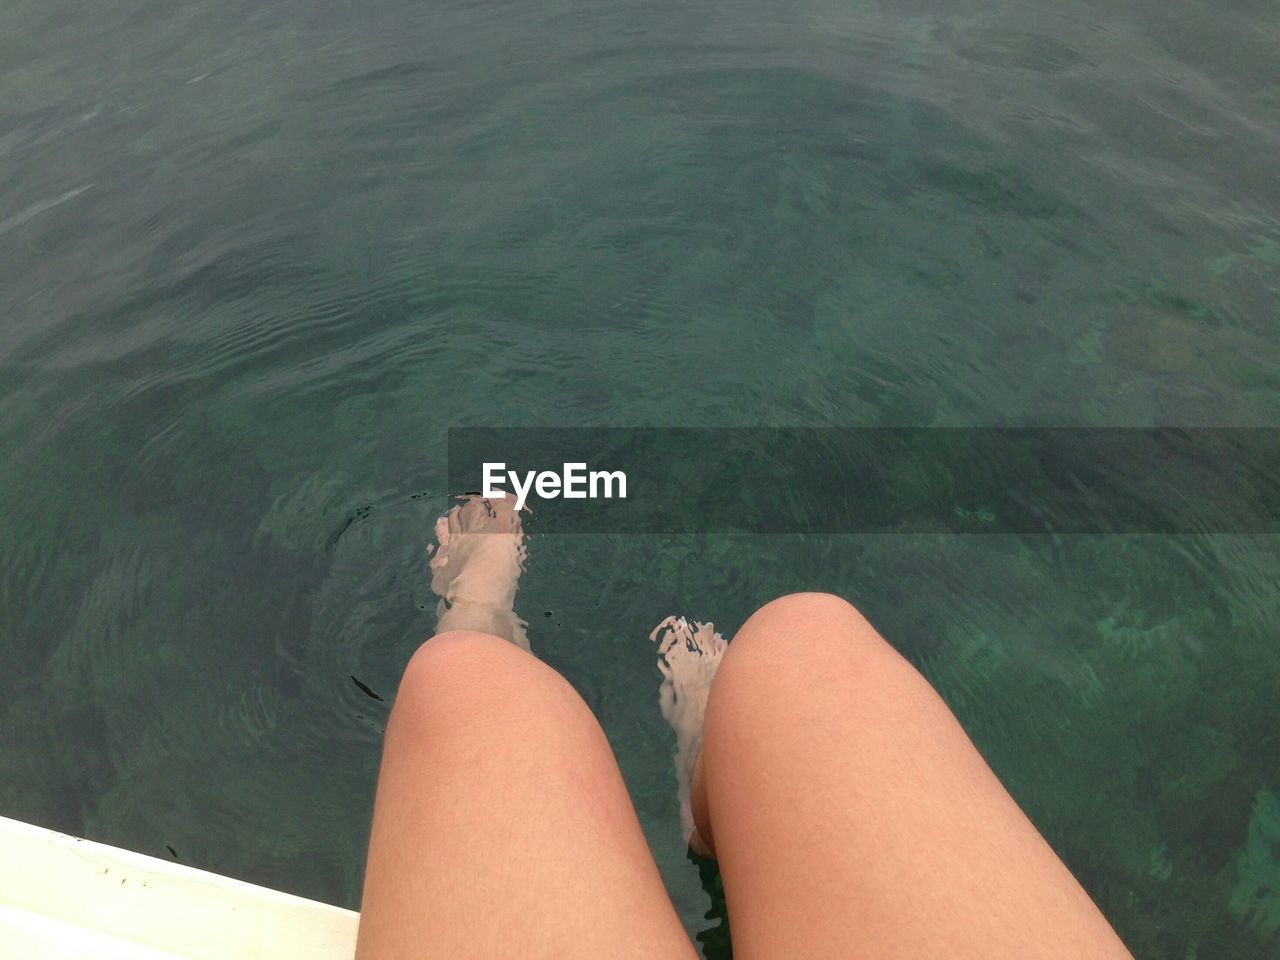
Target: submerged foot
{"x": 477, "y": 568}
{"x": 688, "y": 656}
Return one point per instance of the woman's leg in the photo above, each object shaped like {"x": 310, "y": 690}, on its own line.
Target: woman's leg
{"x": 502, "y": 827}
{"x": 852, "y": 817}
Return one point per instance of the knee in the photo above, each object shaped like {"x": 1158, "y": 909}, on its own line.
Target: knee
{"x": 805, "y": 623}
{"x": 461, "y": 677}
{"x": 456, "y": 658}
{"x": 808, "y": 604}
{"x": 798, "y": 639}
{"x": 457, "y": 672}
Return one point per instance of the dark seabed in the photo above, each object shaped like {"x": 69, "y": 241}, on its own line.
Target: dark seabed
{"x": 255, "y": 259}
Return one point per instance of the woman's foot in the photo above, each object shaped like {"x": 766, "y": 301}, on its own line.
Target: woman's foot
{"x": 477, "y": 568}
{"x": 688, "y": 656}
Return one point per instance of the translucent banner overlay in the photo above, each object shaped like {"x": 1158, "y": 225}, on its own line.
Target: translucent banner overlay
{"x": 882, "y": 480}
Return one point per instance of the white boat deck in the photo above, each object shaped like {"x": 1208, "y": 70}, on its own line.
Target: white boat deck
{"x": 61, "y": 897}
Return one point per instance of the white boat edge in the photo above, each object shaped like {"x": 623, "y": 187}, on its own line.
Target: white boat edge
{"x": 61, "y": 896}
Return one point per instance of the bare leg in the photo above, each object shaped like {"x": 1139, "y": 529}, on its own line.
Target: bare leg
{"x": 476, "y": 568}
{"x": 502, "y": 827}
{"x": 688, "y": 656}
{"x": 852, "y": 817}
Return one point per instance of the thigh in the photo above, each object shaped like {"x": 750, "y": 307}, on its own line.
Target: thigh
{"x": 502, "y": 827}
{"x": 852, "y": 817}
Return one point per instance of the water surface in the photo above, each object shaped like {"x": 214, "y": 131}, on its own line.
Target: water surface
{"x": 255, "y": 259}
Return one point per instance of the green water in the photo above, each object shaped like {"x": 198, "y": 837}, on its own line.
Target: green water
{"x": 255, "y": 259}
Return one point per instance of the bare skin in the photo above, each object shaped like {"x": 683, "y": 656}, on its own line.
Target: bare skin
{"x": 851, "y": 815}
{"x": 502, "y": 827}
